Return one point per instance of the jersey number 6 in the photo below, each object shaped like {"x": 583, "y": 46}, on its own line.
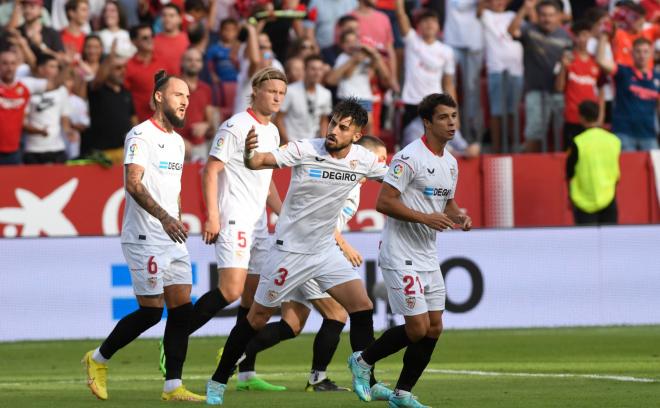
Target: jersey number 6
{"x": 152, "y": 266}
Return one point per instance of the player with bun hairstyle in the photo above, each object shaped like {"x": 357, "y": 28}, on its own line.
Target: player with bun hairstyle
{"x": 153, "y": 241}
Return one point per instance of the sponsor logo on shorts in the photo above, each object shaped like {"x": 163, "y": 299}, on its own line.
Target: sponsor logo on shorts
{"x": 240, "y": 253}
{"x": 153, "y": 281}
{"x": 410, "y": 302}
{"x": 272, "y": 295}
{"x": 436, "y": 192}
{"x": 332, "y": 175}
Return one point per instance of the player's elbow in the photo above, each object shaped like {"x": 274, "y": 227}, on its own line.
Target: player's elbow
{"x": 383, "y": 205}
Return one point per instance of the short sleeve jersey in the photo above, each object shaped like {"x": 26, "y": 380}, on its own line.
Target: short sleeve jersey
{"x": 161, "y": 155}
{"x": 317, "y": 193}
{"x": 242, "y": 192}
{"x": 426, "y": 182}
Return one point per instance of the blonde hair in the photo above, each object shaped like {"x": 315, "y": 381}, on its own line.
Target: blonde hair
{"x": 266, "y": 74}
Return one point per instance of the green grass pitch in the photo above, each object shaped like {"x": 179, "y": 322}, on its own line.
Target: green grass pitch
{"x": 569, "y": 367}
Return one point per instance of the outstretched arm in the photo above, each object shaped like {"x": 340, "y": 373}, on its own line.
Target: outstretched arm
{"x": 173, "y": 227}
{"x": 255, "y": 160}
{"x": 402, "y": 18}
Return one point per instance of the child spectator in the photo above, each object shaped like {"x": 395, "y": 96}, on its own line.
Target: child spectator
{"x": 578, "y": 79}
{"x": 222, "y": 57}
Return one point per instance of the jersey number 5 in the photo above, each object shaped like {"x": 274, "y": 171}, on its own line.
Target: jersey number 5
{"x": 242, "y": 240}
{"x": 409, "y": 281}
{"x": 282, "y": 278}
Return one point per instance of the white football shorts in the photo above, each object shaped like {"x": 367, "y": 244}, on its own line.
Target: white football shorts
{"x": 154, "y": 267}
{"x": 411, "y": 293}
{"x": 287, "y": 272}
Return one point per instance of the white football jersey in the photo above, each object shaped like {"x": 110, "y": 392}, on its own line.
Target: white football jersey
{"x": 318, "y": 190}
{"x": 350, "y": 207}
{"x": 242, "y": 192}
{"x": 161, "y": 154}
{"x": 426, "y": 182}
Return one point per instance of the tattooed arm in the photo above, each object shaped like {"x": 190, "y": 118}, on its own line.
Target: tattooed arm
{"x": 173, "y": 227}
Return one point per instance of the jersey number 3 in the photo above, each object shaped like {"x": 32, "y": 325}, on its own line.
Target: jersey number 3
{"x": 282, "y": 278}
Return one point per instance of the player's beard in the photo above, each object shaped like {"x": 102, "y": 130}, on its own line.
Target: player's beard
{"x": 170, "y": 114}
{"x": 337, "y": 147}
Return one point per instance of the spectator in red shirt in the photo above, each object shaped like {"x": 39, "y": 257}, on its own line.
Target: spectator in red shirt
{"x": 172, "y": 42}
{"x": 73, "y": 37}
{"x": 140, "y": 70}
{"x": 14, "y": 97}
{"x": 201, "y": 115}
{"x": 578, "y": 80}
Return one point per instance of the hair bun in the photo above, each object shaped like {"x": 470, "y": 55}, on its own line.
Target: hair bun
{"x": 159, "y": 76}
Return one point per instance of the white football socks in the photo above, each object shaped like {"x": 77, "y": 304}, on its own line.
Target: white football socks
{"x": 98, "y": 357}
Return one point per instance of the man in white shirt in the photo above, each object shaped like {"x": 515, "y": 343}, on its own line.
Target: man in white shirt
{"x": 296, "y": 308}
{"x": 417, "y": 197}
{"x": 324, "y": 173}
{"x": 235, "y": 199}
{"x": 463, "y": 33}
{"x": 429, "y": 64}
{"x": 304, "y": 114}
{"x": 153, "y": 241}
{"x": 47, "y": 116}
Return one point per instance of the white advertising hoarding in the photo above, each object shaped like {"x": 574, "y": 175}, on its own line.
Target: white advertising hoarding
{"x": 59, "y": 288}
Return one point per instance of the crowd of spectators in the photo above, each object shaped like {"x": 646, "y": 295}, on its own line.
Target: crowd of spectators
{"x": 76, "y": 75}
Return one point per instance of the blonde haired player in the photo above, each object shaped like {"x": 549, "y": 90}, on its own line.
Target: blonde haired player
{"x": 153, "y": 241}
{"x": 236, "y": 198}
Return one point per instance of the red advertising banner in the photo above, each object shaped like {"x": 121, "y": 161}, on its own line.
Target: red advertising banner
{"x": 55, "y": 200}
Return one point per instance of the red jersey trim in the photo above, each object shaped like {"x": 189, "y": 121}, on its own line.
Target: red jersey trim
{"x": 426, "y": 143}
{"x": 251, "y": 112}
{"x": 158, "y": 126}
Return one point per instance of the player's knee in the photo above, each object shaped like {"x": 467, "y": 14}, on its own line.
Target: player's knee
{"x": 417, "y": 329}
{"x": 336, "y": 313}
{"x": 296, "y": 328}
{"x": 231, "y": 293}
{"x": 258, "y": 320}
{"x": 151, "y": 315}
{"x": 435, "y": 330}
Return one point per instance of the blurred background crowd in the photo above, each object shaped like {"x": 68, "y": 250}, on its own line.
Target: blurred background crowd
{"x": 76, "y": 75}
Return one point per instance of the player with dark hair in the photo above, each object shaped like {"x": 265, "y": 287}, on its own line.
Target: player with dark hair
{"x": 153, "y": 241}
{"x": 324, "y": 173}
{"x": 295, "y": 310}
{"x": 417, "y": 196}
